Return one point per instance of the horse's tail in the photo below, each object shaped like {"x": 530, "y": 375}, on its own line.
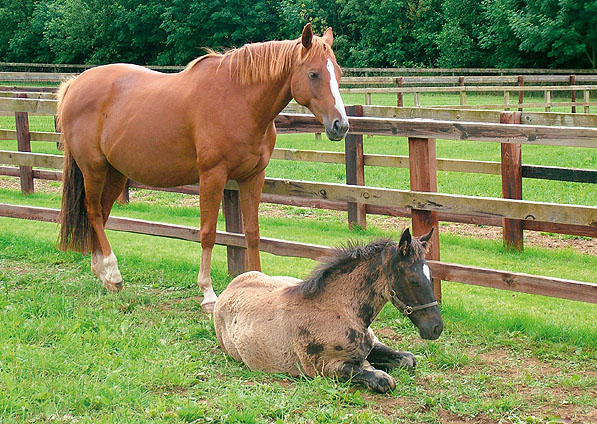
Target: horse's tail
{"x": 75, "y": 230}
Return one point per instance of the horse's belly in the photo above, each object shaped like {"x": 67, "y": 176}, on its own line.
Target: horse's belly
{"x": 158, "y": 164}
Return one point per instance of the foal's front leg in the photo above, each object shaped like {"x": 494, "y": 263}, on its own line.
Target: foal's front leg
{"x": 387, "y": 358}
{"x": 364, "y": 373}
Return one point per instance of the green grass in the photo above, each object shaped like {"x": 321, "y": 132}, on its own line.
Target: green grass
{"x": 69, "y": 351}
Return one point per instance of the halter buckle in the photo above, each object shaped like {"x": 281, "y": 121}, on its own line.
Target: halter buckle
{"x": 408, "y": 310}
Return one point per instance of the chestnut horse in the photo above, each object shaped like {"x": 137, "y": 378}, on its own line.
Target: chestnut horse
{"x": 212, "y": 122}
{"x": 322, "y": 325}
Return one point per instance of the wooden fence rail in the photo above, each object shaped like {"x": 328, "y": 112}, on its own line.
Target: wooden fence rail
{"x": 505, "y": 280}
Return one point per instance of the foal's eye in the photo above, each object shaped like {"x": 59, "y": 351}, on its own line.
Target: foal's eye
{"x": 313, "y": 75}
{"x": 414, "y": 282}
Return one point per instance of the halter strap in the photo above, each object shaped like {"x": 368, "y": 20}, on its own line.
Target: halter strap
{"x": 406, "y": 309}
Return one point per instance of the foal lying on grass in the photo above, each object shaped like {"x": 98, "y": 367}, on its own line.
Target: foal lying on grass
{"x": 321, "y": 325}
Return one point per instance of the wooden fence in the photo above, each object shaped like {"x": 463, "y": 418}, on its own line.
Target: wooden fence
{"x": 416, "y": 85}
{"x": 53, "y": 67}
{"x": 425, "y": 204}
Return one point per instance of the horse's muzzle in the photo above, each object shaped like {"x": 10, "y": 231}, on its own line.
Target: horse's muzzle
{"x": 432, "y": 332}
{"x": 337, "y": 130}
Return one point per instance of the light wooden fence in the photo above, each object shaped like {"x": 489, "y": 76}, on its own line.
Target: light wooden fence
{"x": 53, "y": 67}
{"x": 423, "y": 202}
{"x": 417, "y": 85}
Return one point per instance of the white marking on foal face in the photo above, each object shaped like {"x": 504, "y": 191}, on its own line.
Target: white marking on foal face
{"x": 336, "y": 90}
{"x": 426, "y": 272}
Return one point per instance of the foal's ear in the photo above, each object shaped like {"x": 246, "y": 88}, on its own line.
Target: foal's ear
{"x": 328, "y": 36}
{"x": 404, "y": 244}
{"x": 425, "y": 239}
{"x": 307, "y": 37}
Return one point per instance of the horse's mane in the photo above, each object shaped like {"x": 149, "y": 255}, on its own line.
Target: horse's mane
{"x": 262, "y": 62}
{"x": 339, "y": 258}
{"x": 351, "y": 254}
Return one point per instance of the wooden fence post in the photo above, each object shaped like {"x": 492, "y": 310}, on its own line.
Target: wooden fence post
{"x": 234, "y": 224}
{"x": 24, "y": 145}
{"x": 547, "y": 100}
{"x": 125, "y": 195}
{"x": 462, "y": 92}
{"x": 399, "y": 95}
{"x": 423, "y": 177}
{"x": 355, "y": 170}
{"x": 59, "y": 145}
{"x": 512, "y": 184}
{"x": 573, "y": 93}
{"x": 520, "y": 92}
{"x": 587, "y": 99}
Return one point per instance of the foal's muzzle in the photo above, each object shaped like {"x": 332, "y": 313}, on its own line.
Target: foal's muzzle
{"x": 337, "y": 129}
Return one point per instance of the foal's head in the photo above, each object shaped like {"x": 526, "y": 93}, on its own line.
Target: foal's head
{"x": 314, "y": 82}
{"x": 409, "y": 281}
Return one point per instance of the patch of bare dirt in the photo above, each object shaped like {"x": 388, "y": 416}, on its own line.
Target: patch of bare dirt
{"x": 39, "y": 185}
{"x": 583, "y": 245}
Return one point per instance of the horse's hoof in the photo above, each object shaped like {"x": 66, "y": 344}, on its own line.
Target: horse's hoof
{"x": 208, "y": 307}
{"x": 408, "y": 360}
{"x": 383, "y": 384}
{"x": 113, "y": 287}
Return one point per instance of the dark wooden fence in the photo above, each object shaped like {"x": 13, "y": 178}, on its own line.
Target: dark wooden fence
{"x": 421, "y": 201}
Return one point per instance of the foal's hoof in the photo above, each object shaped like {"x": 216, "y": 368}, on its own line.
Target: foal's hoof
{"x": 113, "y": 287}
{"x": 383, "y": 383}
{"x": 208, "y": 307}
{"x": 408, "y": 360}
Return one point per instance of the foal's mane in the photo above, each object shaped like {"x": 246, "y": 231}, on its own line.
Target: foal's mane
{"x": 352, "y": 254}
{"x": 263, "y": 62}
{"x": 339, "y": 258}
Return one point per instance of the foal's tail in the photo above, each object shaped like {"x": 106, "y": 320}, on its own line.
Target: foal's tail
{"x": 75, "y": 230}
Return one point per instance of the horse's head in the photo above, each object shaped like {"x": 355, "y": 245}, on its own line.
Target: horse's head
{"x": 409, "y": 283}
{"x": 314, "y": 82}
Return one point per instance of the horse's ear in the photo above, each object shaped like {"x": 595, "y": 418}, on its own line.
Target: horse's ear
{"x": 328, "y": 36}
{"x": 425, "y": 239}
{"x": 307, "y": 37}
{"x": 404, "y": 244}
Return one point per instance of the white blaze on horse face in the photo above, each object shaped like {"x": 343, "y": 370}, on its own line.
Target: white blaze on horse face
{"x": 426, "y": 272}
{"x": 336, "y": 90}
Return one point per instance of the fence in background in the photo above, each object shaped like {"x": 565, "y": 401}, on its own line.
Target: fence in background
{"x": 417, "y": 85}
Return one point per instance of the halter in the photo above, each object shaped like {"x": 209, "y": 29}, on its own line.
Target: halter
{"x": 406, "y": 309}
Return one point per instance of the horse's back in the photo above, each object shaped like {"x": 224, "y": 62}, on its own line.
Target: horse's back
{"x": 134, "y": 117}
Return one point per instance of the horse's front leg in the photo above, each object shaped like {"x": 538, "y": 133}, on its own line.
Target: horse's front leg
{"x": 387, "y": 358}
{"x": 250, "y": 196}
{"x": 211, "y": 190}
{"x": 365, "y": 374}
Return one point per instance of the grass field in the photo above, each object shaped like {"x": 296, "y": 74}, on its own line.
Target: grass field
{"x": 70, "y": 352}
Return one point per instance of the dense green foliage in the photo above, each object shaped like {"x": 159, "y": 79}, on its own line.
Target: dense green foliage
{"x": 447, "y": 33}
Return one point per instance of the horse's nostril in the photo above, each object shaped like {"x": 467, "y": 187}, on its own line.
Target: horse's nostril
{"x": 336, "y": 126}
{"x": 437, "y": 330}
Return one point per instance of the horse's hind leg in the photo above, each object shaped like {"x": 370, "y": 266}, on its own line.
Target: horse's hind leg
{"x": 102, "y": 187}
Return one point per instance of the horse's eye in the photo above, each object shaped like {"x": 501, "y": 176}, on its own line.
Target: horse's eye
{"x": 414, "y": 282}
{"x": 313, "y": 75}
